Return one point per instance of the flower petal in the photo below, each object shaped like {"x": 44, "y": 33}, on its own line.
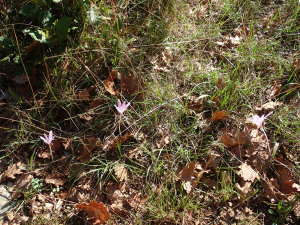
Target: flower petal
{"x": 268, "y": 114}
{"x": 51, "y": 136}
{"x": 126, "y": 106}
{"x": 119, "y": 110}
{"x": 43, "y": 139}
{"x": 119, "y": 103}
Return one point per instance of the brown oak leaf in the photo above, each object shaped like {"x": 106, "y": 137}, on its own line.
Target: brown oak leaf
{"x": 85, "y": 151}
{"x": 31, "y": 47}
{"x": 112, "y": 143}
{"x": 109, "y": 83}
{"x": 187, "y": 172}
{"x": 96, "y": 211}
{"x": 121, "y": 172}
{"x": 12, "y": 171}
{"x": 82, "y": 95}
{"x": 23, "y": 183}
{"x": 219, "y": 116}
{"x": 247, "y": 173}
{"x": 55, "y": 179}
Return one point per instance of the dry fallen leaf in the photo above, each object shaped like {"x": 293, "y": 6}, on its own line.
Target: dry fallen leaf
{"x": 85, "y": 151}
{"x": 45, "y": 154}
{"x": 283, "y": 171}
{"x": 194, "y": 103}
{"x": 109, "y": 83}
{"x": 187, "y": 172}
{"x": 15, "y": 219}
{"x": 21, "y": 79}
{"x": 112, "y": 144}
{"x": 23, "y": 183}
{"x": 82, "y": 95}
{"x": 244, "y": 190}
{"x": 188, "y": 186}
{"x": 129, "y": 85}
{"x": 56, "y": 179}
{"x": 96, "y": 212}
{"x": 55, "y": 145}
{"x": 289, "y": 188}
{"x": 296, "y": 209}
{"x": 274, "y": 89}
{"x": 24, "y": 91}
{"x": 270, "y": 105}
{"x": 12, "y": 170}
{"x": 247, "y": 173}
{"x": 121, "y": 172}
{"x": 271, "y": 188}
{"x": 31, "y": 47}
{"x": 231, "y": 142}
{"x": 218, "y": 103}
{"x": 209, "y": 181}
{"x": 95, "y": 103}
{"x": 219, "y": 116}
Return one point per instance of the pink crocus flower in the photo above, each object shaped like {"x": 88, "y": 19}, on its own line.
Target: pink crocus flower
{"x": 258, "y": 120}
{"x": 47, "y": 139}
{"x": 122, "y": 107}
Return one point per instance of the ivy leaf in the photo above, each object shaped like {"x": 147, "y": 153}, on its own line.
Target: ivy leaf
{"x": 35, "y": 12}
{"x": 62, "y": 28}
{"x": 37, "y": 34}
{"x": 30, "y": 11}
{"x": 46, "y": 18}
{"x": 6, "y": 43}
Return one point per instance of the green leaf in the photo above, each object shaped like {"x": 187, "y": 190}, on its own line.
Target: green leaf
{"x": 279, "y": 205}
{"x": 30, "y": 11}
{"x": 7, "y": 57}
{"x": 61, "y": 28}
{"x": 35, "y": 12}
{"x": 37, "y": 34}
{"x": 286, "y": 209}
{"x": 46, "y": 18}
{"x": 7, "y": 43}
{"x": 272, "y": 212}
{"x": 14, "y": 95}
{"x": 38, "y": 2}
{"x": 94, "y": 15}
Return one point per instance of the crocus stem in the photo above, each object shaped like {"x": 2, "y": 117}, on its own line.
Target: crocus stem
{"x": 267, "y": 140}
{"x": 51, "y": 152}
{"x": 120, "y": 123}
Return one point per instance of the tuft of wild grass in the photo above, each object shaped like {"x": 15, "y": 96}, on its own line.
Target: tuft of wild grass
{"x": 174, "y": 52}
